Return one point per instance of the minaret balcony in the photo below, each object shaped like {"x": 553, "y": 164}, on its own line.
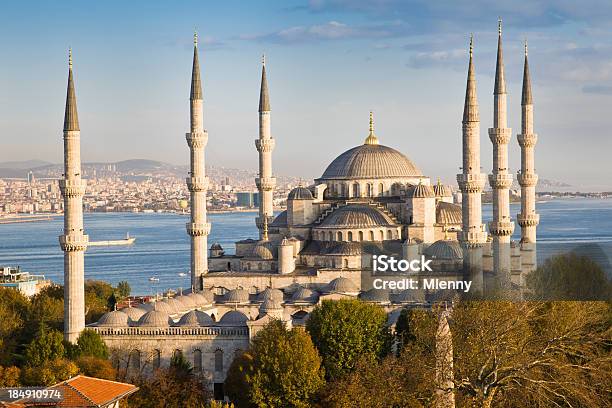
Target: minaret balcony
{"x": 527, "y": 179}
{"x": 197, "y": 230}
{"x": 265, "y": 183}
{"x": 197, "y": 139}
{"x": 74, "y": 242}
{"x": 72, "y": 188}
{"x": 500, "y": 181}
{"x": 528, "y": 140}
{"x": 528, "y": 220}
{"x": 259, "y": 221}
{"x": 265, "y": 145}
{"x": 197, "y": 184}
{"x": 500, "y": 136}
{"x": 501, "y": 228}
{"x": 474, "y": 239}
{"x": 471, "y": 183}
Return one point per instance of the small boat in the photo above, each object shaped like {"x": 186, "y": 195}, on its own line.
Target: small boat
{"x": 153, "y": 279}
{"x": 126, "y": 241}
{"x": 182, "y": 274}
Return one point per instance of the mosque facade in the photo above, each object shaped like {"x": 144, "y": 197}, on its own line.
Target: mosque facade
{"x": 371, "y": 200}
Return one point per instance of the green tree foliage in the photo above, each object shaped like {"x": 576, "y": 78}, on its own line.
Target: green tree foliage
{"x": 180, "y": 365}
{"x": 47, "y": 309}
{"x": 569, "y": 277}
{"x": 97, "y": 297}
{"x": 14, "y": 309}
{"x": 9, "y": 376}
{"x": 236, "y": 383}
{"x": 91, "y": 344}
{"x": 49, "y": 373}
{"x": 284, "y": 371}
{"x": 345, "y": 331}
{"x": 96, "y": 367}
{"x": 46, "y": 346}
{"x": 123, "y": 289}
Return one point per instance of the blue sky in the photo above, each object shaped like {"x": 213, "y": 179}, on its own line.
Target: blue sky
{"x": 329, "y": 63}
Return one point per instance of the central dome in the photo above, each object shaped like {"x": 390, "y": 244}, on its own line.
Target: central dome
{"x": 370, "y": 161}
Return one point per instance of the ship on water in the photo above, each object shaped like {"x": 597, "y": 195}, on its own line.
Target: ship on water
{"x": 126, "y": 241}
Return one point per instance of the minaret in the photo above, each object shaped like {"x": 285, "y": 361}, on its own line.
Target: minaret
{"x": 501, "y": 227}
{"x": 265, "y": 145}
{"x": 74, "y": 241}
{"x": 528, "y": 219}
{"x": 197, "y": 183}
{"x": 471, "y": 182}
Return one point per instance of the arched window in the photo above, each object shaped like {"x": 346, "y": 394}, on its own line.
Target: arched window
{"x": 346, "y": 263}
{"x": 134, "y": 360}
{"x": 371, "y": 235}
{"x": 259, "y": 266}
{"x": 248, "y": 266}
{"x": 369, "y": 189}
{"x": 360, "y": 235}
{"x": 197, "y": 361}
{"x": 339, "y": 236}
{"x": 355, "y": 190}
{"x": 389, "y": 234}
{"x": 156, "y": 359}
{"x": 331, "y": 236}
{"x": 381, "y": 235}
{"x": 381, "y": 189}
{"x": 218, "y": 360}
{"x": 350, "y": 235}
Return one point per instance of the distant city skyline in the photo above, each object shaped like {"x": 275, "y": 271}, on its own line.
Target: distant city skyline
{"x": 329, "y": 63}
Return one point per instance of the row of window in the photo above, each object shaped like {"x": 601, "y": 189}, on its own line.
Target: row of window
{"x": 342, "y": 190}
{"x": 360, "y": 236}
{"x": 135, "y": 358}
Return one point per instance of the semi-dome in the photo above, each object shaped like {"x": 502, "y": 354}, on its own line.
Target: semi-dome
{"x": 233, "y": 318}
{"x": 155, "y": 318}
{"x": 195, "y": 318}
{"x": 345, "y": 248}
{"x": 444, "y": 249}
{"x": 371, "y": 161}
{"x": 236, "y": 296}
{"x": 342, "y": 285}
{"x": 421, "y": 191}
{"x": 304, "y": 295}
{"x": 115, "y": 318}
{"x": 375, "y": 295}
{"x": 300, "y": 193}
{"x": 133, "y": 313}
{"x": 270, "y": 293}
{"x": 357, "y": 216}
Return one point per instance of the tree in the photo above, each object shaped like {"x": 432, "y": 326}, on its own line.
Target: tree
{"x": 89, "y": 343}
{"x": 285, "y": 369}
{"x": 9, "y": 376}
{"x": 236, "y": 383}
{"x": 96, "y": 367}
{"x": 569, "y": 277}
{"x": 14, "y": 308}
{"x": 46, "y": 346}
{"x": 49, "y": 373}
{"x": 345, "y": 331}
{"x": 123, "y": 289}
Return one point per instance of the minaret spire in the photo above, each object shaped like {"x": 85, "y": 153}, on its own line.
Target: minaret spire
{"x": 198, "y": 228}
{"x": 470, "y": 108}
{"x": 265, "y": 145}
{"x": 73, "y": 241}
{"x": 371, "y": 139}
{"x": 528, "y": 219}
{"x": 501, "y": 227}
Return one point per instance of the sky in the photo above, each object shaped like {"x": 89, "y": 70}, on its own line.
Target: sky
{"x": 329, "y": 62}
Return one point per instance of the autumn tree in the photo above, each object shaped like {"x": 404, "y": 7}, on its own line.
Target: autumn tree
{"x": 283, "y": 370}
{"x": 345, "y": 331}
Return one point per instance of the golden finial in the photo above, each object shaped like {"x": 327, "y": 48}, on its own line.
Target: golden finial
{"x": 499, "y": 26}
{"x": 371, "y": 139}
{"x": 265, "y": 228}
{"x": 525, "y": 46}
{"x": 446, "y": 234}
{"x": 471, "y": 44}
{"x": 195, "y": 38}
{"x": 70, "y": 57}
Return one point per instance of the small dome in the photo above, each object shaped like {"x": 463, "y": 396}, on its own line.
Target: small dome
{"x": 208, "y": 296}
{"x": 421, "y": 191}
{"x": 216, "y": 246}
{"x": 233, "y": 318}
{"x": 410, "y": 296}
{"x": 175, "y": 305}
{"x": 147, "y": 307}
{"x": 115, "y": 318}
{"x": 444, "y": 249}
{"x": 133, "y": 313}
{"x": 442, "y": 190}
{"x": 155, "y": 318}
{"x": 236, "y": 296}
{"x": 300, "y": 193}
{"x": 188, "y": 302}
{"x": 195, "y": 318}
{"x": 285, "y": 242}
{"x": 269, "y": 293}
{"x": 196, "y": 299}
{"x": 264, "y": 250}
{"x": 270, "y": 304}
{"x": 375, "y": 295}
{"x": 304, "y": 295}
{"x": 342, "y": 285}
{"x": 165, "y": 307}
{"x": 356, "y": 216}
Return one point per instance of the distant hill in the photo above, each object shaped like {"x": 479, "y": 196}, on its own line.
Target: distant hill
{"x": 143, "y": 165}
{"x": 23, "y": 165}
